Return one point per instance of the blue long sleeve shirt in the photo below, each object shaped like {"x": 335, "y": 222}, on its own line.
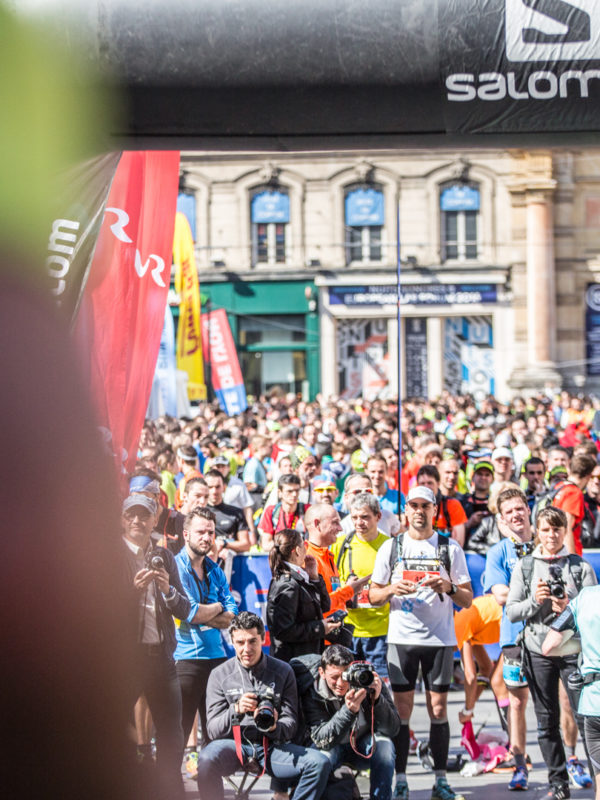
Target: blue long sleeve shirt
{"x": 197, "y": 641}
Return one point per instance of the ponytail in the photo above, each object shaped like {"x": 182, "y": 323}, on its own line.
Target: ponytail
{"x": 284, "y": 544}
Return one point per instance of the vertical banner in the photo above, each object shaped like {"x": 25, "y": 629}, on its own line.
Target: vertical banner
{"x": 415, "y": 356}
{"x": 189, "y": 335}
{"x": 74, "y": 231}
{"x": 164, "y": 388}
{"x": 121, "y": 316}
{"x": 224, "y": 367}
{"x": 592, "y": 329}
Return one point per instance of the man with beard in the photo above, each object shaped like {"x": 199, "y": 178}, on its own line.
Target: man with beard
{"x": 199, "y": 644}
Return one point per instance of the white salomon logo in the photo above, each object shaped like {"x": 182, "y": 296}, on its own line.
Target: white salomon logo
{"x": 552, "y": 30}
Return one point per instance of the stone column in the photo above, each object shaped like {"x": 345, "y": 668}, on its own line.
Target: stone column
{"x": 540, "y": 370}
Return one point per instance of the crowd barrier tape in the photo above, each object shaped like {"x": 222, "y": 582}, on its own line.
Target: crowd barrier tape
{"x": 251, "y": 576}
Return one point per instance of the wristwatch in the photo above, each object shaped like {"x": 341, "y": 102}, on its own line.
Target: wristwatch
{"x": 452, "y": 590}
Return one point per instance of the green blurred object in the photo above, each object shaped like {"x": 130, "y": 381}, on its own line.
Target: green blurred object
{"x": 52, "y": 119}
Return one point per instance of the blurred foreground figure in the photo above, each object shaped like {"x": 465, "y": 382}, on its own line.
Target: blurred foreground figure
{"x": 63, "y": 613}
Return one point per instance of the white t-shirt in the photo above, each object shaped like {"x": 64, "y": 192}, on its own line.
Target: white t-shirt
{"x": 424, "y": 617}
{"x": 236, "y": 494}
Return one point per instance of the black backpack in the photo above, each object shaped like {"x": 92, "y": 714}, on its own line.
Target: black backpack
{"x": 546, "y": 499}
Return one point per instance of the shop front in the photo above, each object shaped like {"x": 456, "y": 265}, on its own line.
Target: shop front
{"x": 275, "y": 327}
{"x": 453, "y": 336}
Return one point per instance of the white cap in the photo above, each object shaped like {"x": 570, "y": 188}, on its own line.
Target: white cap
{"x": 502, "y": 452}
{"x": 421, "y": 493}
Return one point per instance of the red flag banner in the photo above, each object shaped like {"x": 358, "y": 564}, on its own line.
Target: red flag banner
{"x": 120, "y": 321}
{"x": 223, "y": 364}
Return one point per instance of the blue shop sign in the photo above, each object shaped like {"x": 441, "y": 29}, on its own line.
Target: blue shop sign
{"x": 460, "y": 198}
{"x": 364, "y": 207}
{"x": 270, "y": 207}
{"x": 592, "y": 329}
{"x": 432, "y": 294}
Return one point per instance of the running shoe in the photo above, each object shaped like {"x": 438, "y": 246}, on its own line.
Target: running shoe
{"x": 443, "y": 791}
{"x": 578, "y": 774}
{"x": 519, "y": 780}
{"x": 509, "y": 764}
{"x": 559, "y": 791}
{"x": 400, "y": 791}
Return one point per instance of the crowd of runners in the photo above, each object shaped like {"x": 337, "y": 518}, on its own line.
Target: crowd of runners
{"x": 368, "y": 514}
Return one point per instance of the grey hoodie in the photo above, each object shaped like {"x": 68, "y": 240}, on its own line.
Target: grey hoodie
{"x": 521, "y": 603}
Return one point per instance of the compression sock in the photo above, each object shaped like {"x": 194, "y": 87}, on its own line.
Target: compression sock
{"x": 402, "y": 745}
{"x": 439, "y": 743}
{"x": 570, "y": 751}
{"x": 503, "y": 706}
{"x": 520, "y": 760}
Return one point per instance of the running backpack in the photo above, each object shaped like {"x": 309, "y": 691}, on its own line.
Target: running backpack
{"x": 443, "y": 552}
{"x": 575, "y": 568}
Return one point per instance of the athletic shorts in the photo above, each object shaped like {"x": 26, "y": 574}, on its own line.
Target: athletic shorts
{"x": 437, "y": 666}
{"x": 592, "y": 741}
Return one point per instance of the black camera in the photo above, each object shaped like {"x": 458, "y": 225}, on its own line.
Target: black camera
{"x": 337, "y": 616}
{"x": 524, "y": 548}
{"x": 264, "y": 716}
{"x": 359, "y": 674}
{"x": 555, "y": 582}
{"x": 154, "y": 560}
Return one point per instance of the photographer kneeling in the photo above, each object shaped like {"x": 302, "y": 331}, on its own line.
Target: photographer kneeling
{"x": 349, "y": 714}
{"x": 540, "y": 588}
{"x": 252, "y": 717}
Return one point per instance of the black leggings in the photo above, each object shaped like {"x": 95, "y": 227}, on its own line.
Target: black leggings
{"x": 591, "y": 727}
{"x": 543, "y": 674}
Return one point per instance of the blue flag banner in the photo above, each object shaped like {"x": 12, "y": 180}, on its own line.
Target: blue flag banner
{"x": 270, "y": 207}
{"x": 460, "y": 198}
{"x": 166, "y": 373}
{"x": 186, "y": 203}
{"x": 364, "y": 207}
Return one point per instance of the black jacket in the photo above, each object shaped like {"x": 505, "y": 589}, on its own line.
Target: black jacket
{"x": 178, "y": 607}
{"x": 230, "y": 680}
{"x": 328, "y": 719}
{"x": 484, "y": 537}
{"x": 295, "y": 615}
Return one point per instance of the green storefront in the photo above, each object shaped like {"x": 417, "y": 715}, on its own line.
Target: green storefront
{"x": 275, "y": 325}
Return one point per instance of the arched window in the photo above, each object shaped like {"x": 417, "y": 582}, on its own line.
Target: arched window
{"x": 270, "y": 219}
{"x": 459, "y": 210}
{"x": 364, "y": 219}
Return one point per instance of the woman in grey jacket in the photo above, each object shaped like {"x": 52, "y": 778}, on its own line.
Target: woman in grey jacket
{"x": 541, "y": 586}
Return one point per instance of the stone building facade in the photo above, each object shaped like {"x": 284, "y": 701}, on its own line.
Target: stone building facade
{"x": 499, "y": 252}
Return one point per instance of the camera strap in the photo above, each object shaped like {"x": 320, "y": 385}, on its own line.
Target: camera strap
{"x": 373, "y": 740}
{"x": 237, "y": 738}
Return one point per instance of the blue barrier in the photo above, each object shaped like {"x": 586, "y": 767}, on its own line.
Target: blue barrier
{"x": 251, "y": 575}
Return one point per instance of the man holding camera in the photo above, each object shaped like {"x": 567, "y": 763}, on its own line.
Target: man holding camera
{"x": 421, "y": 574}
{"x": 252, "y": 717}
{"x": 199, "y": 643}
{"x": 349, "y": 714}
{"x": 154, "y": 577}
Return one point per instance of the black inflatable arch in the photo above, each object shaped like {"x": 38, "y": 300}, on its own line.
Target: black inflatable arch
{"x": 303, "y": 74}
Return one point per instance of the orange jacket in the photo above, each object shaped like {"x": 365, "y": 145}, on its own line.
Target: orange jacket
{"x": 326, "y": 567}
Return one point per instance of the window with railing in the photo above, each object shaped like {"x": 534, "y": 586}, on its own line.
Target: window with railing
{"x": 270, "y": 220}
{"x": 459, "y": 212}
{"x": 364, "y": 220}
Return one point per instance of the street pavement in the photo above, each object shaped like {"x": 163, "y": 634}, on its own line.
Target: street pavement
{"x": 490, "y": 786}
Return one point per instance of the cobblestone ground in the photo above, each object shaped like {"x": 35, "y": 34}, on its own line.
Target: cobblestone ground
{"x": 490, "y": 787}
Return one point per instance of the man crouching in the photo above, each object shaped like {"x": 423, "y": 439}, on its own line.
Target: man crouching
{"x": 349, "y": 714}
{"x": 252, "y": 717}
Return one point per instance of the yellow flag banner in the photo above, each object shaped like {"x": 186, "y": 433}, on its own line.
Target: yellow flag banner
{"x": 189, "y": 332}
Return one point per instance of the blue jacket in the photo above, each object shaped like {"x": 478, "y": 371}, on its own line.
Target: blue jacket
{"x": 196, "y": 640}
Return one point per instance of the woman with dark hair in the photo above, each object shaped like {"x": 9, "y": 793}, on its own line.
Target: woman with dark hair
{"x": 297, "y": 599}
